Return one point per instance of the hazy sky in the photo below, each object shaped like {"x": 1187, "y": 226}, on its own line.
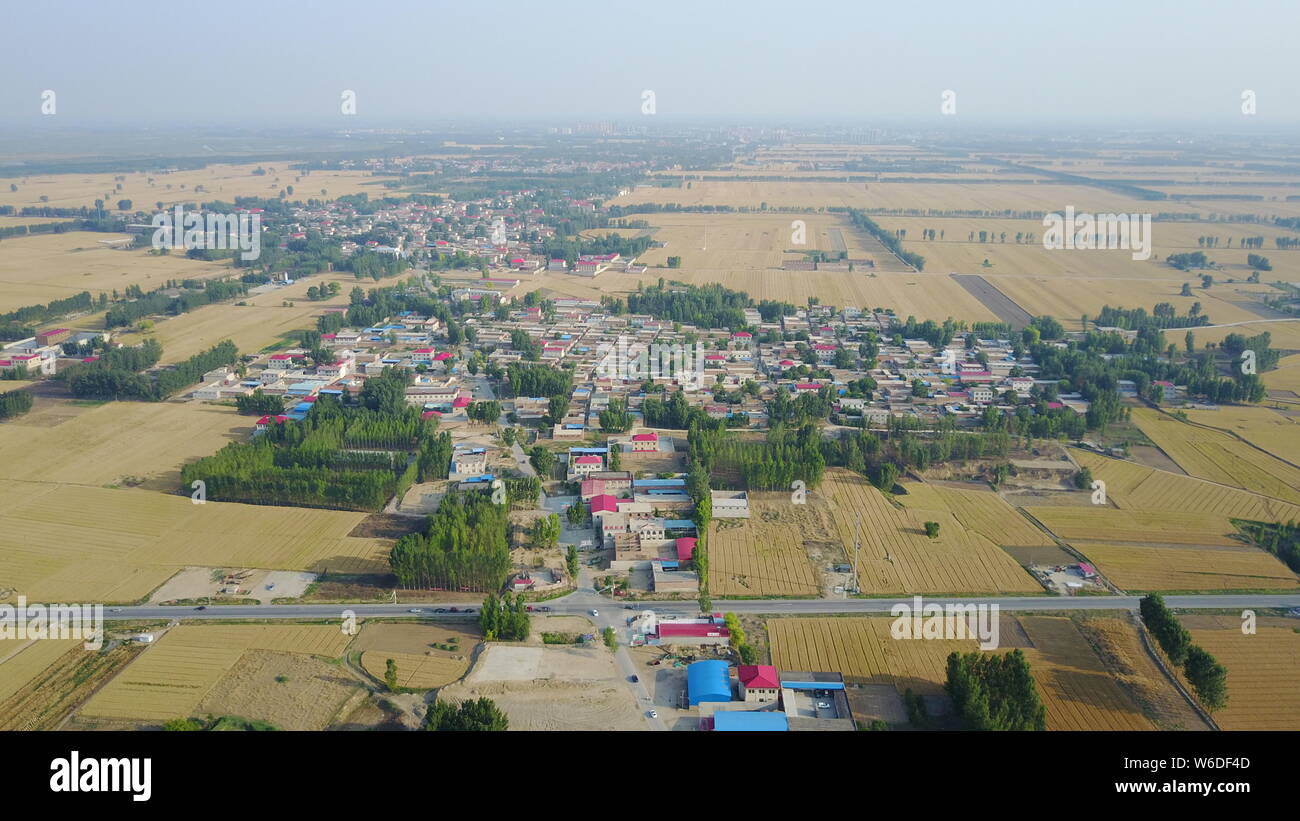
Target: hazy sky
{"x": 1132, "y": 63}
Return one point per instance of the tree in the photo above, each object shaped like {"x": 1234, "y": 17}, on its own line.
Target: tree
{"x": 1208, "y": 677}
{"x": 182, "y": 725}
{"x": 543, "y": 461}
{"x": 390, "y": 675}
{"x": 476, "y": 715}
{"x": 610, "y": 637}
{"x": 932, "y": 530}
{"x": 577, "y": 513}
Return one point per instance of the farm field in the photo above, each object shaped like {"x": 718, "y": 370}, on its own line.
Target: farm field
{"x": 80, "y": 543}
{"x": 983, "y": 511}
{"x": 221, "y": 182}
{"x": 175, "y": 675}
{"x": 1135, "y": 487}
{"x": 1284, "y": 381}
{"x": 898, "y": 558}
{"x": 42, "y": 683}
{"x": 44, "y": 267}
{"x": 290, "y": 690}
{"x": 1219, "y": 457}
{"x": 1266, "y": 428}
{"x": 1075, "y": 687}
{"x": 1262, "y": 670}
{"x": 1142, "y": 569}
{"x": 253, "y": 326}
{"x": 1108, "y": 524}
{"x": 1285, "y": 333}
{"x": 415, "y": 671}
{"x": 420, "y": 664}
{"x": 759, "y": 557}
{"x": 1044, "y": 197}
{"x": 101, "y": 445}
{"x": 1119, "y": 646}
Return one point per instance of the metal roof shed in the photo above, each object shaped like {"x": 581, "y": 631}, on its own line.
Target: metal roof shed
{"x": 745, "y": 721}
{"x": 708, "y": 681}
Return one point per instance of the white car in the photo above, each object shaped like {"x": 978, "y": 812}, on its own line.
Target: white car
{"x": 654, "y": 714}
{"x": 595, "y": 612}
{"x": 415, "y": 610}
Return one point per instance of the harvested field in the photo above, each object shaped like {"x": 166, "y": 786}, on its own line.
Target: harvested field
{"x": 897, "y": 557}
{"x": 760, "y": 556}
{"x": 41, "y": 268}
{"x": 102, "y": 445}
{"x": 1118, "y": 645}
{"x": 1141, "y": 569}
{"x": 44, "y": 682}
{"x": 1219, "y": 457}
{"x": 290, "y": 690}
{"x": 76, "y": 543}
{"x": 1134, "y": 487}
{"x": 1267, "y": 429}
{"x": 172, "y": 677}
{"x": 983, "y": 511}
{"x": 1262, "y": 673}
{"x": 418, "y": 672}
{"x": 1077, "y": 689}
{"x": 1002, "y": 306}
{"x": 1108, "y": 524}
{"x": 219, "y": 181}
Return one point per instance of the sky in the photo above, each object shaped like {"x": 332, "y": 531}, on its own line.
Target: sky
{"x": 1132, "y": 64}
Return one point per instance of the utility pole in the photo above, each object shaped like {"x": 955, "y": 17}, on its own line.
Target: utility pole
{"x": 857, "y": 539}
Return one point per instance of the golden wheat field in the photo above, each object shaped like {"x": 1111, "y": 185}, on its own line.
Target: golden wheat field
{"x": 1219, "y": 457}
{"x": 1262, "y": 672}
{"x": 1075, "y": 687}
{"x": 221, "y": 182}
{"x": 416, "y": 671}
{"x": 1285, "y": 379}
{"x": 44, "y": 267}
{"x": 171, "y": 677}
{"x": 22, "y": 661}
{"x": 1136, "y": 487}
{"x": 983, "y": 511}
{"x": 1284, "y": 333}
{"x": 1143, "y": 569}
{"x": 759, "y": 558}
{"x": 260, "y": 322}
{"x": 79, "y": 543}
{"x": 103, "y": 445}
{"x": 1108, "y": 524}
{"x": 898, "y": 558}
{"x": 1269, "y": 430}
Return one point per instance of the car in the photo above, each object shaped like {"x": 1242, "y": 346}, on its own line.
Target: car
{"x": 468, "y": 610}
{"x": 454, "y": 610}
{"x": 628, "y": 607}
{"x": 595, "y": 612}
{"x": 633, "y": 679}
{"x": 271, "y": 586}
{"x": 415, "y": 610}
{"x": 440, "y": 610}
{"x": 201, "y": 607}
{"x": 653, "y": 713}
{"x": 529, "y": 608}
{"x": 823, "y": 705}
{"x": 545, "y": 608}
{"x": 115, "y": 610}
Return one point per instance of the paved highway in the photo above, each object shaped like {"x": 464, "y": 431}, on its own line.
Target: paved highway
{"x": 582, "y": 602}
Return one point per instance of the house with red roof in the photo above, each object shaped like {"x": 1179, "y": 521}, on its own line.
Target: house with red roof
{"x": 580, "y": 466}
{"x": 758, "y": 682}
{"x": 645, "y": 442}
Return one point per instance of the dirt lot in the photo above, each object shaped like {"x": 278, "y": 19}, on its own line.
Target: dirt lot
{"x": 552, "y": 688}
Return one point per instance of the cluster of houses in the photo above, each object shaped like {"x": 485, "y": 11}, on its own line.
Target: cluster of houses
{"x": 43, "y": 354}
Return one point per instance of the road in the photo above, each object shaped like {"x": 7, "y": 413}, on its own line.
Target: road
{"x": 586, "y": 599}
